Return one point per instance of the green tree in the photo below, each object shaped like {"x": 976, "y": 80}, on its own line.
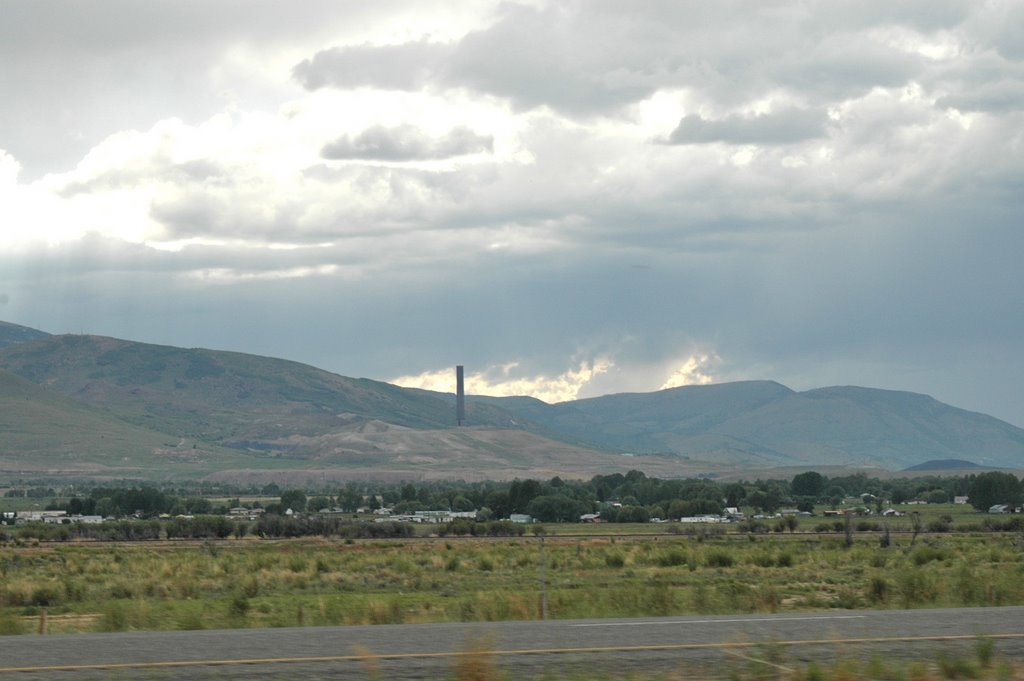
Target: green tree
{"x": 994, "y": 488}
{"x": 555, "y": 508}
{"x": 735, "y": 493}
{"x": 317, "y": 503}
{"x": 758, "y": 499}
{"x": 633, "y": 514}
{"x": 198, "y": 505}
{"x": 461, "y": 504}
{"x": 521, "y": 493}
{"x": 499, "y": 504}
{"x": 809, "y": 484}
{"x": 294, "y": 499}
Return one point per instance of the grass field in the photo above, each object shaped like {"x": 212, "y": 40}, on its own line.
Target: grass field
{"x": 584, "y": 570}
{"x": 256, "y": 583}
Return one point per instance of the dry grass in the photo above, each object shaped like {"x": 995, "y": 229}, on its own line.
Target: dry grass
{"x": 245, "y": 583}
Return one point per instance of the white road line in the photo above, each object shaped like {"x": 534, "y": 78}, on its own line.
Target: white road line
{"x": 719, "y": 621}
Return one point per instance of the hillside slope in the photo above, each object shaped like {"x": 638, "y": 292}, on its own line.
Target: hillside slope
{"x": 261, "y": 413}
{"x": 45, "y": 433}
{"x": 883, "y": 427}
{"x": 223, "y": 397}
{"x": 259, "y": 416}
{"x": 762, "y": 423}
{"x": 14, "y": 333}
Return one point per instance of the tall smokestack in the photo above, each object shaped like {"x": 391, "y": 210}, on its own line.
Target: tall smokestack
{"x": 460, "y": 396}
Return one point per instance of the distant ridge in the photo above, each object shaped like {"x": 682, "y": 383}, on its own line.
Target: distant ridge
{"x": 15, "y": 333}
{"x": 198, "y": 411}
{"x": 46, "y": 433}
{"x": 765, "y": 424}
{"x": 945, "y": 465}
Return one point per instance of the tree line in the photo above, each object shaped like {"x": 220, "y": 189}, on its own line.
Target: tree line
{"x": 629, "y": 497}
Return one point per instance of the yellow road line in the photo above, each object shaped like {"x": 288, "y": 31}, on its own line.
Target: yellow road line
{"x": 754, "y": 659}
{"x": 525, "y": 651}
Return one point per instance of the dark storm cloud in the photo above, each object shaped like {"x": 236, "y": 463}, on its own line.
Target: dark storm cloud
{"x": 784, "y": 127}
{"x": 597, "y": 61}
{"x": 528, "y": 56}
{"x": 1000, "y": 97}
{"x": 73, "y": 268}
{"x": 871, "y": 237}
{"x": 386, "y": 200}
{"x": 538, "y": 57}
{"x": 1009, "y": 37}
{"x": 406, "y": 143}
{"x": 843, "y": 66}
{"x": 408, "y": 66}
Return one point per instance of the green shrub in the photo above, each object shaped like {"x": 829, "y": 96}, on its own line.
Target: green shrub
{"x": 47, "y": 595}
{"x": 719, "y": 559}
{"x": 984, "y": 649}
{"x": 814, "y": 673}
{"x": 673, "y": 558}
{"x": 879, "y": 590}
{"x": 926, "y": 554}
{"x": 114, "y": 617}
{"x": 11, "y": 625}
{"x": 956, "y": 667}
{"x": 915, "y": 587}
{"x": 239, "y": 605}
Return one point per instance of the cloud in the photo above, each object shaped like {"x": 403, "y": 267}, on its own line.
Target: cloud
{"x": 9, "y": 170}
{"x": 1000, "y": 97}
{"x": 776, "y": 128}
{"x": 507, "y": 381}
{"x": 406, "y": 66}
{"x": 407, "y": 143}
{"x": 693, "y": 371}
{"x": 529, "y": 56}
{"x": 799, "y": 191}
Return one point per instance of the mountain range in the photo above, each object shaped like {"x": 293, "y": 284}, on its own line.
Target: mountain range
{"x": 76, "y": 405}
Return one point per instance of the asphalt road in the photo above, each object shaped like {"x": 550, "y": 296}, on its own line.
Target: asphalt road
{"x": 707, "y": 646}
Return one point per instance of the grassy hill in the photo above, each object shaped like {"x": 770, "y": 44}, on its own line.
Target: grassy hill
{"x": 253, "y": 416}
{"x": 13, "y": 333}
{"x": 762, "y": 423}
{"x": 47, "y": 434}
{"x": 116, "y": 404}
{"x": 225, "y": 397}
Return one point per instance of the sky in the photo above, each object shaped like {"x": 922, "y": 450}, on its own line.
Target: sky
{"x": 569, "y": 198}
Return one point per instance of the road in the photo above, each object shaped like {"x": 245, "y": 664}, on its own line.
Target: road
{"x": 525, "y": 649}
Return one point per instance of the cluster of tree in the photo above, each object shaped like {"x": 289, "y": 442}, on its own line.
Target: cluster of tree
{"x": 629, "y": 497}
{"x": 204, "y": 527}
{"x": 123, "y": 530}
{"x": 462, "y": 527}
{"x": 31, "y": 492}
{"x": 327, "y": 526}
{"x": 145, "y": 502}
{"x": 993, "y": 488}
